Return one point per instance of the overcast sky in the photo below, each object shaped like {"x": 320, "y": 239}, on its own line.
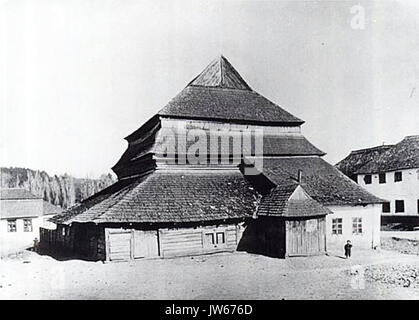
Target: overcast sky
{"x": 76, "y": 77}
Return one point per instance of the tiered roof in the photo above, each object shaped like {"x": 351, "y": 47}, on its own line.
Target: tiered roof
{"x": 149, "y": 194}
{"x": 220, "y": 93}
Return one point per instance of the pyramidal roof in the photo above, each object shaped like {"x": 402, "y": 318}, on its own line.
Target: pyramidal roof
{"x": 220, "y": 93}
{"x": 220, "y": 74}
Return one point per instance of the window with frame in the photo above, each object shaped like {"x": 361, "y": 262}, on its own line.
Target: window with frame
{"x": 27, "y": 225}
{"x": 214, "y": 238}
{"x": 337, "y": 226}
{"x": 398, "y": 176}
{"x": 381, "y": 178}
{"x": 399, "y": 206}
{"x": 386, "y": 207}
{"x": 367, "y": 179}
{"x": 11, "y": 225}
{"x": 356, "y": 225}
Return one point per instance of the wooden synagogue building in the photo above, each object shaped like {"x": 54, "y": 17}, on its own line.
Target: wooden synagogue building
{"x": 281, "y": 199}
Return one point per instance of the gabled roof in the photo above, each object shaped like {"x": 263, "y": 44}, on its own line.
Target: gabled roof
{"x": 17, "y": 194}
{"x": 220, "y": 74}
{"x": 323, "y": 182}
{"x": 169, "y": 196}
{"x": 403, "y": 155}
{"x": 358, "y": 158}
{"x": 290, "y": 201}
{"x": 220, "y": 93}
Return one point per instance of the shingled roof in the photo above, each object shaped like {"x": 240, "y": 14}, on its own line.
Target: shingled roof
{"x": 220, "y": 74}
{"x": 280, "y": 145}
{"x": 170, "y": 196}
{"x": 323, "y": 182}
{"x": 403, "y": 155}
{"x": 17, "y": 194}
{"x": 220, "y": 93}
{"x": 290, "y": 201}
{"x": 358, "y": 158}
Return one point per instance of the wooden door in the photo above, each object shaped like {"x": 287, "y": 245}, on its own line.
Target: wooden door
{"x": 119, "y": 244}
{"x": 305, "y": 237}
{"x": 145, "y": 244}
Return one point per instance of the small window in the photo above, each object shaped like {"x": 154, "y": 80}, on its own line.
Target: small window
{"x": 398, "y": 176}
{"x": 209, "y": 239}
{"x": 356, "y": 225}
{"x": 337, "y": 226}
{"x": 367, "y": 179}
{"x": 214, "y": 239}
{"x": 399, "y": 206}
{"x": 11, "y": 225}
{"x": 27, "y": 225}
{"x": 220, "y": 238}
{"x": 382, "y": 178}
{"x": 386, "y": 207}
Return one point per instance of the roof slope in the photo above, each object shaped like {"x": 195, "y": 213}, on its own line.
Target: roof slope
{"x": 17, "y": 194}
{"x": 323, "y": 182}
{"x": 50, "y": 209}
{"x": 221, "y": 74}
{"x": 403, "y": 155}
{"x": 290, "y": 201}
{"x": 220, "y": 93}
{"x": 170, "y": 196}
{"x": 358, "y": 158}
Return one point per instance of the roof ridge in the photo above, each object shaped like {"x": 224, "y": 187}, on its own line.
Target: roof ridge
{"x": 415, "y": 136}
{"x": 372, "y": 148}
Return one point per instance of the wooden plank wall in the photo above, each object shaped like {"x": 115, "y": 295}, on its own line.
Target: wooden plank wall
{"x": 190, "y": 241}
{"x": 305, "y": 237}
{"x": 118, "y": 244}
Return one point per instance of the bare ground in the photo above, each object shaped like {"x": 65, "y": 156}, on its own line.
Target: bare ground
{"x": 219, "y": 276}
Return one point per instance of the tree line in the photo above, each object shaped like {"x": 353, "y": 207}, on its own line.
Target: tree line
{"x": 63, "y": 190}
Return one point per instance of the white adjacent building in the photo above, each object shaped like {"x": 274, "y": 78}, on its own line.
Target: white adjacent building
{"x": 390, "y": 172}
{"x": 21, "y": 216}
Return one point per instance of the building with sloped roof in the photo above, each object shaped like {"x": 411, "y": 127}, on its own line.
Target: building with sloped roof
{"x": 358, "y": 158}
{"x": 392, "y": 174}
{"x": 22, "y": 214}
{"x": 200, "y": 175}
{"x": 290, "y": 223}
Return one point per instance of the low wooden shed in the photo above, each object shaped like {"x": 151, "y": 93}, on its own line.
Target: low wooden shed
{"x": 289, "y": 223}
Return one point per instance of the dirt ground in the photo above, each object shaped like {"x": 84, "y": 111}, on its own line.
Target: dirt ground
{"x": 401, "y": 241}
{"x": 219, "y": 276}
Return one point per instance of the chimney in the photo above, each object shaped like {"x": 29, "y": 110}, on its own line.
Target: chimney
{"x": 300, "y": 176}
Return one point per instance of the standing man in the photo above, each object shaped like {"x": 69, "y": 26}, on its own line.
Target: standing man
{"x": 348, "y": 247}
